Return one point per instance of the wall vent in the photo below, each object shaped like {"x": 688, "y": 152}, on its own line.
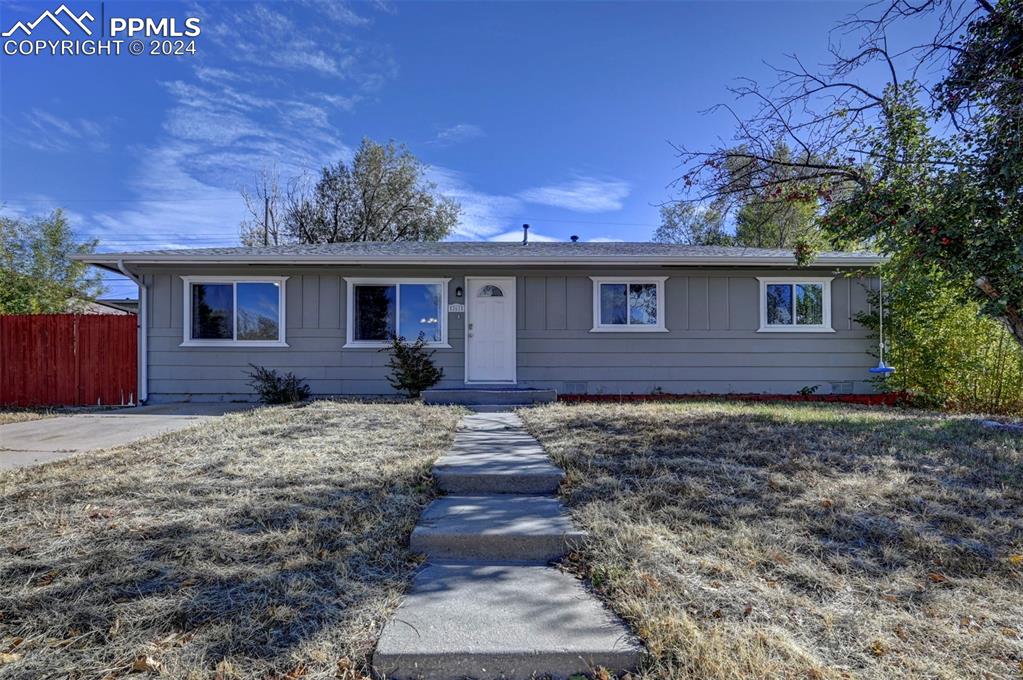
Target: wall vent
{"x": 576, "y": 388}
{"x": 842, "y": 387}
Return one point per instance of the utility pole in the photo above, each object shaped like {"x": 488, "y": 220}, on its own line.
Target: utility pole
{"x": 266, "y": 220}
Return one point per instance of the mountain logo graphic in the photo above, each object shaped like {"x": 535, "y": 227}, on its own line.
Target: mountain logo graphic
{"x": 78, "y": 20}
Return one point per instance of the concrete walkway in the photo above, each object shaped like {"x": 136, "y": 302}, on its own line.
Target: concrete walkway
{"x": 35, "y": 442}
{"x": 487, "y": 605}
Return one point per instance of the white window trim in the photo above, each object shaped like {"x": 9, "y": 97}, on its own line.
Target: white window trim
{"x": 824, "y": 327}
{"x": 188, "y": 341}
{"x": 351, "y": 343}
{"x": 627, "y": 328}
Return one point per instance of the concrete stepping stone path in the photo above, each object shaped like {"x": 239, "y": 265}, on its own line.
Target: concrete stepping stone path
{"x": 487, "y": 605}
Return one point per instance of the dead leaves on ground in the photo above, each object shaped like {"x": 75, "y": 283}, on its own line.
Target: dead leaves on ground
{"x": 96, "y": 512}
{"x": 295, "y": 673}
{"x": 46, "y": 579}
{"x": 146, "y": 664}
{"x": 347, "y": 670}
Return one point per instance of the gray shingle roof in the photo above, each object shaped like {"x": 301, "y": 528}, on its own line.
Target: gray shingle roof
{"x": 476, "y": 251}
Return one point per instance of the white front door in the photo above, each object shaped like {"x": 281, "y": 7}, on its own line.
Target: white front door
{"x": 490, "y": 330}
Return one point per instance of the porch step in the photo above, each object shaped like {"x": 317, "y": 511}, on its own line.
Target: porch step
{"x": 489, "y": 396}
{"x": 492, "y": 408}
{"x": 495, "y": 528}
{"x": 501, "y": 621}
{"x": 486, "y": 461}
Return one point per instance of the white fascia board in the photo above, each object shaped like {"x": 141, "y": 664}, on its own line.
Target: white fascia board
{"x": 100, "y": 259}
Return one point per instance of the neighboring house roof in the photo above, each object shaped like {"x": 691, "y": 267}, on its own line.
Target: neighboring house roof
{"x": 126, "y": 305}
{"x": 93, "y": 307}
{"x": 481, "y": 252}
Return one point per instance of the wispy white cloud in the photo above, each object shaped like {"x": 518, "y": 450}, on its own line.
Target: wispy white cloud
{"x": 44, "y": 131}
{"x": 222, "y": 124}
{"x": 488, "y": 216}
{"x": 483, "y": 214}
{"x": 461, "y": 132}
{"x": 340, "y": 102}
{"x": 269, "y": 38}
{"x": 32, "y": 206}
{"x": 583, "y": 194}
{"x": 236, "y": 132}
{"x": 177, "y": 209}
{"x": 338, "y": 12}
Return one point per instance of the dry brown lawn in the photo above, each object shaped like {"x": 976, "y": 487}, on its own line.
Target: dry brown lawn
{"x": 8, "y": 416}
{"x": 270, "y": 543}
{"x": 797, "y": 540}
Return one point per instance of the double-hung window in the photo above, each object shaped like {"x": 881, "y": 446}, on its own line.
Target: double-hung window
{"x": 628, "y": 304}
{"x": 795, "y": 304}
{"x": 226, "y": 310}
{"x": 379, "y": 309}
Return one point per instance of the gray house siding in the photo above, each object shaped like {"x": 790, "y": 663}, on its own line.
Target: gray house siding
{"x": 712, "y": 344}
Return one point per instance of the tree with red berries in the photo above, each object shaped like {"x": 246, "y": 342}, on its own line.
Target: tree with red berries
{"x": 928, "y": 170}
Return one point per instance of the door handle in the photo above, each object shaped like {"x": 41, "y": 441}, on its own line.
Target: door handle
{"x": 470, "y": 335}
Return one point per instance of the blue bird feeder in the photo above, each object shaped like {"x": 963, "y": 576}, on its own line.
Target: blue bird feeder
{"x": 882, "y": 369}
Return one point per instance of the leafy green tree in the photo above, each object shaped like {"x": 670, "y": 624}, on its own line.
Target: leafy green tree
{"x": 927, "y": 170}
{"x": 382, "y": 195}
{"x": 692, "y": 225}
{"x": 945, "y": 350}
{"x": 768, "y": 216}
{"x": 776, "y": 215}
{"x": 37, "y": 275}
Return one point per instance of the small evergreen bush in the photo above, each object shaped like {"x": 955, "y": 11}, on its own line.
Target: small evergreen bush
{"x": 412, "y": 368}
{"x": 274, "y": 388}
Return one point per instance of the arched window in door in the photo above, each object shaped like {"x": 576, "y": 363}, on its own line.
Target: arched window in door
{"x": 490, "y": 291}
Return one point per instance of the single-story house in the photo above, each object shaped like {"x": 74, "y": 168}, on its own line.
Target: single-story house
{"x": 581, "y": 318}
{"x": 119, "y": 305}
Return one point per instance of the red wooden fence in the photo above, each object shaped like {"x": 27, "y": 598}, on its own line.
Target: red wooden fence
{"x": 68, "y": 359}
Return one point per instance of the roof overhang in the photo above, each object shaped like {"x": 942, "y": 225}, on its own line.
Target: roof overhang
{"x": 112, "y": 260}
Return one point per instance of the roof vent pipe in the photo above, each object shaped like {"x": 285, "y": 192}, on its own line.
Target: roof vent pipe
{"x": 525, "y": 234}
{"x": 574, "y": 238}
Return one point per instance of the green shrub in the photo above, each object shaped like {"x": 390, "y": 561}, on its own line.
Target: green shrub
{"x": 945, "y": 352}
{"x": 412, "y": 368}
{"x": 274, "y": 388}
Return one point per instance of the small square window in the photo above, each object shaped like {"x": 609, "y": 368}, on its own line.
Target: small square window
{"x": 259, "y": 310}
{"x": 420, "y": 312}
{"x": 643, "y": 304}
{"x": 628, "y": 305}
{"x": 798, "y": 304}
{"x": 374, "y": 312}
{"x": 614, "y": 304}
{"x": 213, "y": 311}
{"x": 809, "y": 304}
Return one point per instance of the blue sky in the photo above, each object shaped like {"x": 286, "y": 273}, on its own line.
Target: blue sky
{"x": 556, "y": 114}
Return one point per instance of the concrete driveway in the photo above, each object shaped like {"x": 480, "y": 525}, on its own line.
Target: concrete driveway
{"x": 41, "y": 441}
